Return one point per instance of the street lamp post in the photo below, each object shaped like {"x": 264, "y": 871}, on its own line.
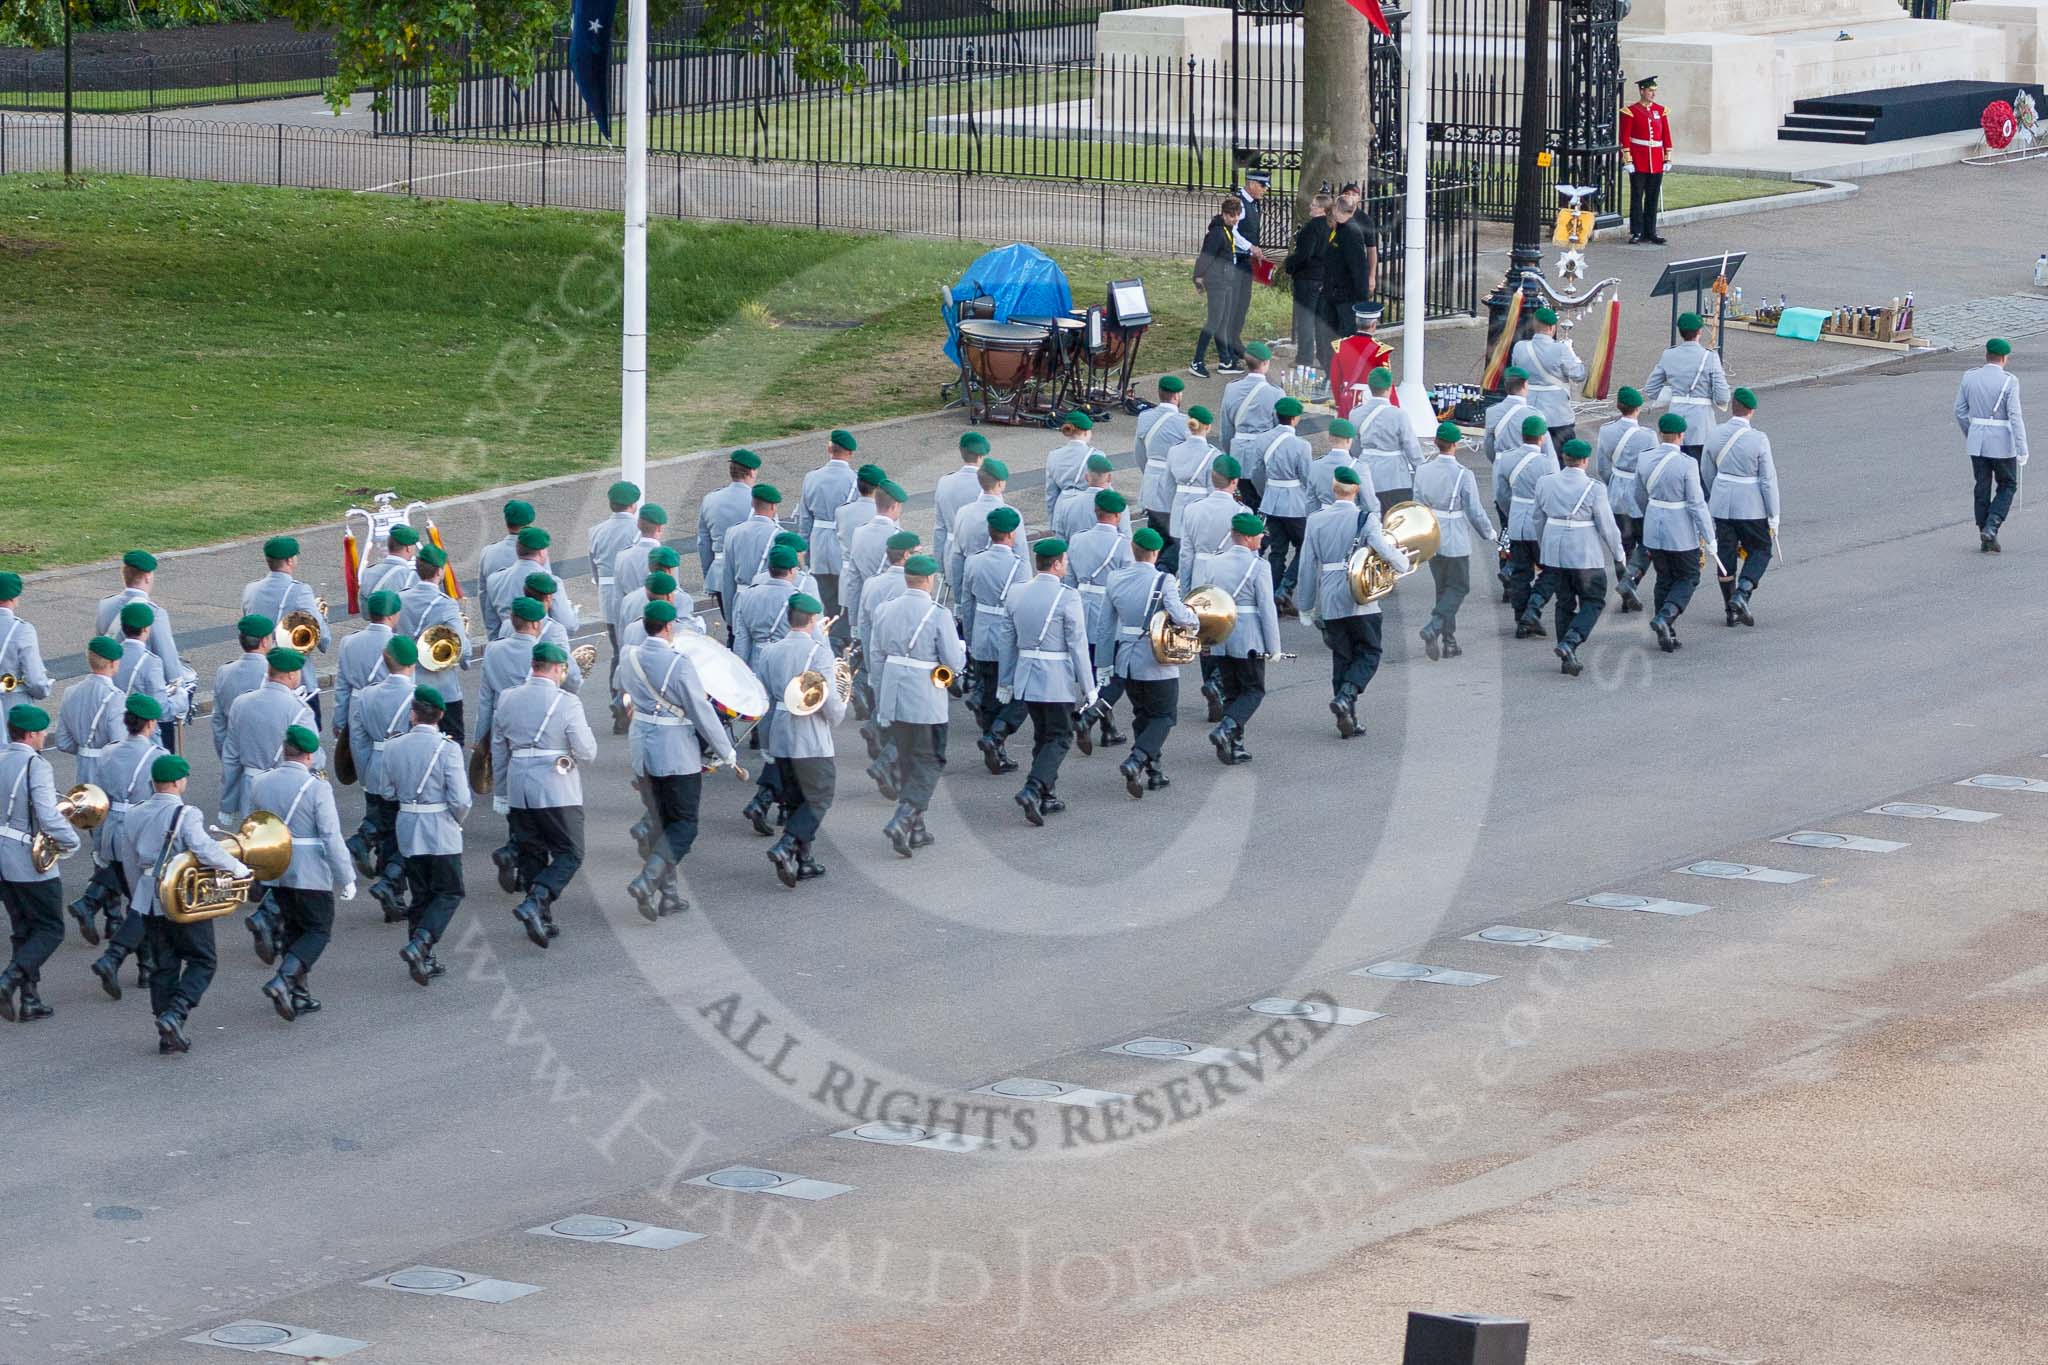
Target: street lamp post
{"x": 1526, "y": 255}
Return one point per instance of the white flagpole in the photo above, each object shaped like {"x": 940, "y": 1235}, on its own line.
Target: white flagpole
{"x": 1415, "y": 265}
{"x": 633, "y": 351}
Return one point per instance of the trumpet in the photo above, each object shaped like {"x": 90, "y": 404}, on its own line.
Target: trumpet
{"x": 942, "y": 676}
{"x": 565, "y": 765}
{"x": 300, "y": 630}
{"x": 191, "y": 893}
{"x": 584, "y": 657}
{"x": 441, "y": 648}
{"x": 85, "y": 806}
{"x": 8, "y": 682}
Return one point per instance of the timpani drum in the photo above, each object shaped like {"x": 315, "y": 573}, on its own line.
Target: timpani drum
{"x": 1003, "y": 362}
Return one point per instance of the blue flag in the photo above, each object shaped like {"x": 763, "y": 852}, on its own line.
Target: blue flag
{"x": 590, "y": 57}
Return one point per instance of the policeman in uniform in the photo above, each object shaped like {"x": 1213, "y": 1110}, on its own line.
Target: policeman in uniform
{"x": 89, "y": 727}
{"x": 867, "y": 549}
{"x": 1646, "y": 132}
{"x": 391, "y": 573}
{"x": 20, "y": 653}
{"x": 1617, "y": 462}
{"x": 34, "y": 900}
{"x": 1678, "y": 529}
{"x": 1994, "y": 436}
{"x": 423, "y": 767}
{"x": 747, "y": 546}
{"x": 124, "y": 775}
{"x": 279, "y": 593}
{"x": 1241, "y": 673}
{"x": 1742, "y": 492}
{"x": 673, "y": 726}
{"x": 378, "y": 715}
{"x": 1137, "y": 592}
{"x": 605, "y": 540}
{"x": 236, "y": 679}
{"x": 910, "y": 637}
{"x": 498, "y": 555}
{"x": 152, "y": 834}
{"x": 1573, "y": 524}
{"x": 825, "y": 490}
{"x": 1076, "y": 510}
{"x": 955, "y": 490}
{"x": 138, "y": 574}
{"x": 1689, "y": 380}
{"x": 1067, "y": 466}
{"x": 800, "y": 747}
{"x": 1246, "y": 407}
{"x": 720, "y": 511}
{"x": 1385, "y": 451}
{"x": 533, "y": 728}
{"x": 1092, "y": 557}
{"x": 1515, "y": 476}
{"x": 1159, "y": 429}
{"x": 1449, "y": 489}
{"x": 988, "y": 578}
{"x": 1352, "y": 630}
{"x": 320, "y": 866}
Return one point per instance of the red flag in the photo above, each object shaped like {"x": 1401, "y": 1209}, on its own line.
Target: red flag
{"x": 1371, "y": 10}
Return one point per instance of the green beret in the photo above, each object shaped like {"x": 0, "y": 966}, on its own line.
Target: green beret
{"x": 383, "y": 603}
{"x": 920, "y": 566}
{"x": 1448, "y": 431}
{"x": 895, "y": 490}
{"x": 526, "y": 609}
{"x": 768, "y": 493}
{"x": 1514, "y": 372}
{"x": 282, "y": 660}
{"x": 1689, "y": 322}
{"x": 657, "y": 584}
{"x": 1080, "y": 421}
{"x": 792, "y": 540}
{"x": 1259, "y": 350}
{"x": 1547, "y": 316}
{"x": 300, "y": 738}
{"x": 1629, "y": 398}
{"x": 744, "y": 458}
{"x": 1380, "y": 378}
{"x": 1048, "y": 547}
{"x": 1671, "y": 424}
{"x": 1099, "y": 463}
{"x": 1998, "y": 346}
{"x": 10, "y": 586}
{"x": 803, "y": 601}
{"x": 433, "y": 556}
{"x": 1003, "y": 520}
{"x": 142, "y": 561}
{"x": 144, "y": 707}
{"x": 664, "y": 557}
{"x": 107, "y": 649}
{"x": 1248, "y": 524}
{"x": 402, "y": 534}
{"x": 28, "y": 718}
{"x": 541, "y": 585}
{"x": 1198, "y": 413}
{"x": 654, "y": 514}
{"x": 169, "y": 768}
{"x": 904, "y": 540}
{"x": 136, "y": 615}
{"x": 429, "y": 696}
{"x": 1577, "y": 450}
{"x": 1109, "y": 500}
{"x": 844, "y": 440}
{"x": 1287, "y": 407}
{"x": 402, "y": 650}
{"x": 974, "y": 443}
{"x": 256, "y": 627}
{"x": 871, "y": 474}
{"x": 1342, "y": 428}
{"x": 1746, "y": 398}
{"x": 782, "y": 557}
{"x": 518, "y": 513}
{"x": 658, "y": 614}
{"x": 624, "y": 493}
{"x": 546, "y": 653}
{"x": 280, "y": 547}
{"x": 533, "y": 538}
{"x": 1171, "y": 383}
{"x": 1344, "y": 473}
{"x": 1145, "y": 538}
{"x": 1227, "y": 466}
{"x": 996, "y": 469}
{"x": 1534, "y": 428}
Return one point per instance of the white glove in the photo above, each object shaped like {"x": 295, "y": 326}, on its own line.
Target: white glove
{"x": 1774, "y": 526}
{"x": 1101, "y": 678}
{"x": 1002, "y": 696}
{"x": 502, "y": 805}
{"x": 348, "y": 893}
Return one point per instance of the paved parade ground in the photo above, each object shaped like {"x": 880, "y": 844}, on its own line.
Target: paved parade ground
{"x": 1753, "y": 1118}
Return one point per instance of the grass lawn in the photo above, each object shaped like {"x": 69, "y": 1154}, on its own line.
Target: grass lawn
{"x": 1683, "y": 191}
{"x": 190, "y": 362}
{"x": 164, "y": 97}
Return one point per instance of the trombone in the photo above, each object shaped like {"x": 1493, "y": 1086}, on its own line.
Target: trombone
{"x": 85, "y": 806}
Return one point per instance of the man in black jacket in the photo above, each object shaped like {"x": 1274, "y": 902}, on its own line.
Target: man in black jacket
{"x": 1219, "y": 281}
{"x": 1304, "y": 266}
{"x": 1348, "y": 261}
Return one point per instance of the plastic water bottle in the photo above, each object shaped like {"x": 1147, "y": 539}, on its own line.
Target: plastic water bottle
{"x": 1738, "y": 300}
{"x": 2041, "y": 271}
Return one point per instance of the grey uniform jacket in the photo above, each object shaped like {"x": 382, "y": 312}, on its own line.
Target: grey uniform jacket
{"x": 89, "y": 723}
{"x": 969, "y": 538}
{"x": 990, "y": 576}
{"x": 907, "y": 638}
{"x": 1617, "y": 459}
{"x": 854, "y": 513}
{"x": 885, "y": 586}
{"x": 952, "y": 492}
{"x": 231, "y": 682}
{"x": 1285, "y": 492}
{"x": 493, "y": 557}
{"x": 22, "y": 655}
{"x": 506, "y": 664}
{"x": 276, "y": 593}
{"x": 761, "y": 616}
{"x": 378, "y": 715}
{"x": 720, "y": 510}
{"x": 162, "y": 641}
{"x": 1045, "y": 645}
{"x": 1066, "y": 467}
{"x": 746, "y": 555}
{"x": 1736, "y": 469}
{"x": 1385, "y": 445}
{"x": 1188, "y": 465}
{"x": 505, "y": 587}
{"x": 1092, "y": 557}
{"x": 28, "y": 807}
{"x": 534, "y": 725}
{"x": 1326, "y": 547}
{"x": 255, "y": 741}
{"x": 1675, "y": 515}
{"x": 826, "y": 489}
{"x": 1160, "y": 428}
{"x": 1136, "y": 592}
{"x": 673, "y": 720}
{"x": 1322, "y": 476}
{"x": 124, "y": 777}
{"x": 1205, "y": 531}
{"x": 141, "y": 671}
{"x": 1988, "y": 411}
{"x": 551, "y": 633}
{"x": 423, "y": 768}
{"x": 629, "y": 575}
{"x": 1247, "y": 408}
{"x": 1249, "y": 449}
{"x": 1552, "y": 370}
{"x": 1076, "y": 513}
{"x": 1248, "y": 578}
{"x": 1574, "y": 522}
{"x": 1450, "y": 490}
{"x": 1515, "y": 476}
{"x": 866, "y": 556}
{"x": 424, "y": 606}
{"x": 787, "y": 736}
{"x": 389, "y": 574}
{"x": 1503, "y": 433}
{"x": 156, "y": 831}
{"x": 1689, "y": 380}
{"x": 605, "y": 540}
{"x": 320, "y": 860}
{"x": 358, "y": 664}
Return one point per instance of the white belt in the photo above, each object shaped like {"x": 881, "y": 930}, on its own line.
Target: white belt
{"x": 992, "y": 611}
{"x": 119, "y": 807}
{"x": 9, "y": 832}
{"x": 1526, "y": 502}
{"x": 1051, "y": 656}
{"x": 910, "y": 661}
{"x": 377, "y": 745}
{"x": 1095, "y": 589}
{"x": 1134, "y": 632}
{"x": 90, "y": 753}
{"x": 538, "y": 753}
{"x": 2005, "y": 422}
{"x": 1283, "y": 483}
{"x": 1195, "y": 488}
{"x": 1579, "y": 524}
{"x": 1379, "y": 454}
{"x": 816, "y": 522}
{"x": 1667, "y": 506}
{"x": 1546, "y": 388}
{"x": 1645, "y": 142}
{"x": 604, "y": 581}
{"x": 1340, "y": 564}
{"x": 423, "y": 807}
{"x": 1696, "y": 402}
{"x": 660, "y": 720}
{"x": 1735, "y": 478}
{"x": 1628, "y": 474}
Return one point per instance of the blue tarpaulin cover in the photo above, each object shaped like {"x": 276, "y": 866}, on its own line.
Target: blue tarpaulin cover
{"x": 1024, "y": 282}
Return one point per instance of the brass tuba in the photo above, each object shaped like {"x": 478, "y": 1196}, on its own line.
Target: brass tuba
{"x": 1215, "y": 617}
{"x": 300, "y": 630}
{"x": 191, "y": 893}
{"x": 440, "y": 648}
{"x": 85, "y": 806}
{"x": 1409, "y": 525}
{"x": 805, "y": 694}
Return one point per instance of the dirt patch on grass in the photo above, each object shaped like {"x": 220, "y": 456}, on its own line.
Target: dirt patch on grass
{"x": 21, "y": 248}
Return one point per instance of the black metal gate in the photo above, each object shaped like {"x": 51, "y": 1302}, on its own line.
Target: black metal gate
{"x": 1265, "y": 86}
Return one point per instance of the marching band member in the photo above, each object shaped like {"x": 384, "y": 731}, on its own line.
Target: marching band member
{"x": 279, "y": 593}
{"x": 499, "y": 555}
{"x": 1339, "y": 436}
{"x": 21, "y": 654}
{"x": 825, "y": 490}
{"x": 1208, "y": 534}
{"x": 720, "y": 511}
{"x": 910, "y": 637}
{"x": 673, "y": 725}
{"x": 747, "y": 546}
{"x": 319, "y": 867}
{"x": 34, "y": 900}
{"x": 1286, "y": 497}
{"x": 954, "y": 491}
{"x": 1351, "y": 629}
{"x": 800, "y": 748}
{"x": 1742, "y": 492}
{"x": 1076, "y": 510}
{"x": 605, "y": 540}
{"x": 1574, "y": 526}
{"x": 1247, "y": 403}
{"x": 1159, "y": 429}
{"x": 423, "y": 767}
{"x": 884, "y": 587}
{"x": 1688, "y": 380}
{"x": 1066, "y": 468}
{"x": 1552, "y": 367}
{"x": 533, "y": 728}
{"x": 1137, "y": 591}
{"x": 633, "y": 560}
{"x": 510, "y": 582}
{"x": 255, "y": 745}
{"x": 1188, "y": 463}
{"x": 1092, "y": 557}
{"x": 989, "y": 577}
{"x": 89, "y": 727}
{"x": 1241, "y": 673}
{"x": 1678, "y": 529}
{"x": 1386, "y": 451}
{"x": 867, "y": 548}
{"x": 762, "y": 612}
{"x": 237, "y": 679}
{"x": 140, "y": 669}
{"x": 378, "y": 715}
{"x": 971, "y": 524}
{"x": 1449, "y": 489}
{"x": 124, "y": 775}
{"x": 1617, "y": 460}
{"x": 425, "y": 603}
{"x": 507, "y": 664}
{"x": 1994, "y": 437}
{"x": 1515, "y": 476}
{"x": 853, "y": 515}
{"x": 633, "y": 605}
{"x": 390, "y": 574}
{"x": 359, "y": 661}
{"x": 138, "y": 574}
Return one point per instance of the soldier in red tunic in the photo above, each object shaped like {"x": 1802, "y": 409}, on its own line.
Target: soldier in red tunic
{"x": 1646, "y": 132}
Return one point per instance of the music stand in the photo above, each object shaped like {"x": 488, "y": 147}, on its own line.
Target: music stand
{"x": 1698, "y": 276}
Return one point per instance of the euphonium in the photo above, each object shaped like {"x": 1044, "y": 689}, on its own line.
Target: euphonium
{"x": 85, "y": 806}
{"x": 300, "y": 630}
{"x": 1409, "y": 525}
{"x": 191, "y": 893}
{"x": 440, "y": 648}
{"x": 1215, "y": 617}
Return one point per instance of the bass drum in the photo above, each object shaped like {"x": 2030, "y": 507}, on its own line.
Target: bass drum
{"x": 729, "y": 683}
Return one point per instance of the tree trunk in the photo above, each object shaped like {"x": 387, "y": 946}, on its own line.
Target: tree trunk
{"x": 1336, "y": 109}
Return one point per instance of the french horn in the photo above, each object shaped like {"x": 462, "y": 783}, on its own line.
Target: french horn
{"x": 805, "y": 693}
{"x": 1215, "y": 617}
{"x": 1409, "y": 525}
{"x": 85, "y": 806}
{"x": 191, "y": 893}
{"x": 440, "y": 648}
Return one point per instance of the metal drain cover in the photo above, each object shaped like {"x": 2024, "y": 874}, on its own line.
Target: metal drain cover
{"x": 743, "y": 1178}
{"x": 589, "y": 1225}
{"x": 1286, "y": 1009}
{"x": 1711, "y": 868}
{"x": 1401, "y": 971}
{"x": 1608, "y": 900}
{"x": 892, "y": 1132}
{"x": 1810, "y": 838}
{"x": 427, "y": 1279}
{"x": 2000, "y": 782}
{"x": 1029, "y": 1090}
{"x": 249, "y": 1334}
{"x": 1158, "y": 1047}
{"x": 1506, "y": 933}
{"x": 1911, "y": 808}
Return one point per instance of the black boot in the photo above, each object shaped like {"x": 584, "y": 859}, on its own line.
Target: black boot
{"x": 899, "y": 828}
{"x": 756, "y": 812}
{"x": 1568, "y": 657}
{"x": 1111, "y": 736}
{"x": 1630, "y": 601}
{"x": 1238, "y": 753}
{"x": 107, "y": 967}
{"x": 884, "y": 776}
{"x": 1214, "y": 696}
{"x": 170, "y": 1032}
{"x": 385, "y": 892}
{"x": 1084, "y": 732}
{"x": 670, "y": 903}
{"x": 782, "y": 853}
{"x": 1529, "y": 626}
{"x": 262, "y": 924}
{"x": 32, "y": 1006}
{"x": 1028, "y": 800}
{"x": 1131, "y": 770}
{"x": 808, "y": 867}
{"x": 362, "y": 855}
{"x": 1451, "y": 647}
{"x": 417, "y": 955}
{"x": 1431, "y": 645}
{"x": 871, "y": 735}
{"x": 1050, "y": 804}
{"x": 506, "y": 860}
{"x": 302, "y": 998}
{"x": 622, "y": 718}
{"x": 528, "y": 913}
{"x": 1221, "y": 738}
{"x": 920, "y": 837}
{"x": 83, "y": 909}
{"x": 643, "y": 836}
{"x": 991, "y": 746}
{"x": 1155, "y": 780}
{"x": 11, "y": 980}
{"x": 1660, "y": 625}
{"x": 1739, "y": 604}
{"x": 1347, "y": 719}
{"x": 279, "y": 987}
{"x": 645, "y": 889}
